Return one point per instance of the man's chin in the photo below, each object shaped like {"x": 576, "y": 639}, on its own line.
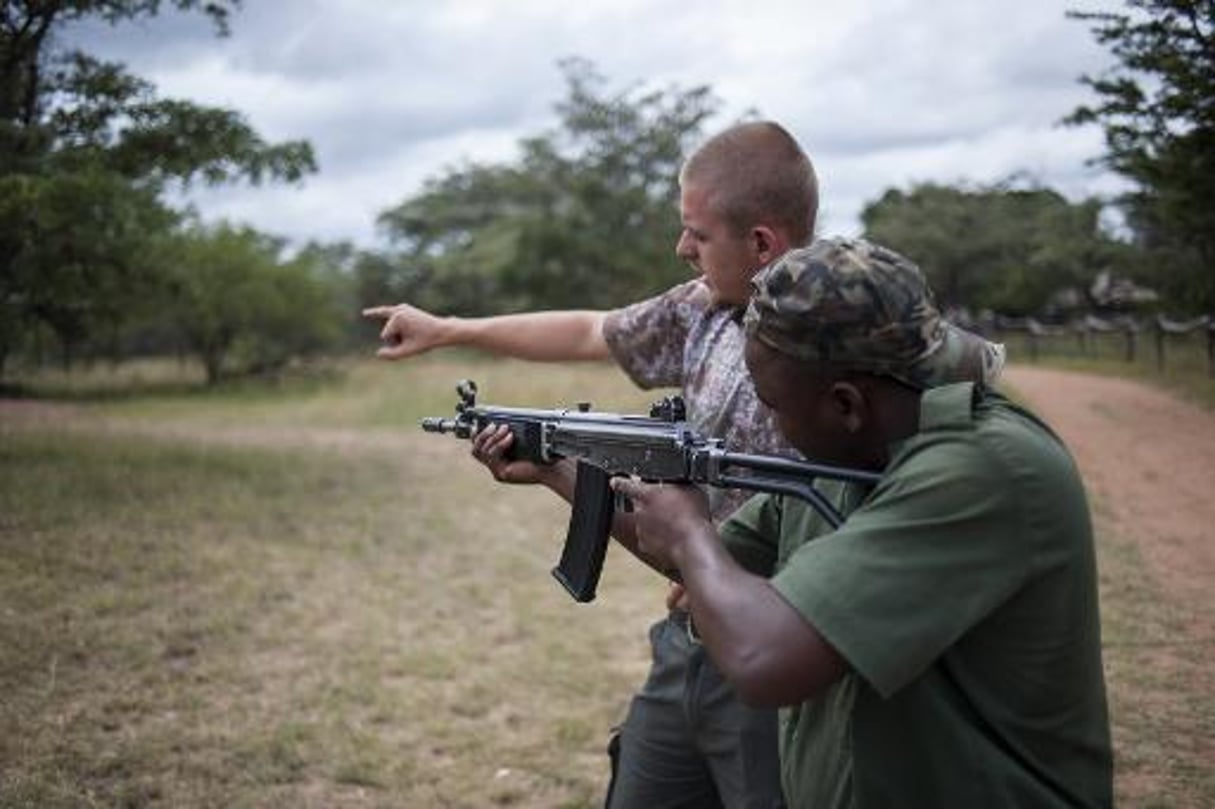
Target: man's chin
{"x": 726, "y": 300}
{"x": 719, "y": 298}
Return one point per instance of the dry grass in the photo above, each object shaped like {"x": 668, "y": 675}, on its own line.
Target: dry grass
{"x": 1159, "y": 678}
{"x": 295, "y": 598}
{"x": 189, "y": 620}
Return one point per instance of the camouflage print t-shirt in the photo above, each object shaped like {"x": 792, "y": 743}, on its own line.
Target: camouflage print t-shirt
{"x": 680, "y": 339}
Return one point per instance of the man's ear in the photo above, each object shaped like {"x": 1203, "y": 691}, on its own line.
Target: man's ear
{"x": 850, "y": 404}
{"x": 767, "y": 243}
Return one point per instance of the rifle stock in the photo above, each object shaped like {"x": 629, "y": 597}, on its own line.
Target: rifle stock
{"x": 660, "y": 447}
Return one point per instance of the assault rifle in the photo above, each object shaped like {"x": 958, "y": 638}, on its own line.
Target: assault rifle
{"x": 660, "y": 447}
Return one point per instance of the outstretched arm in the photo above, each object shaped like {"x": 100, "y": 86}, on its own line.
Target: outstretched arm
{"x": 769, "y": 652}
{"x": 542, "y": 336}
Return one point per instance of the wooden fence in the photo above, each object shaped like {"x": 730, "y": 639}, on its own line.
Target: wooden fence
{"x": 1092, "y": 337}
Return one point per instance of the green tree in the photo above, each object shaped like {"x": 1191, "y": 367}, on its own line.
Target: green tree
{"x": 586, "y": 217}
{"x": 218, "y": 284}
{"x": 242, "y": 308}
{"x": 80, "y": 253}
{"x": 1000, "y": 247}
{"x": 63, "y": 108}
{"x": 86, "y": 151}
{"x": 332, "y": 266}
{"x": 301, "y": 313}
{"x": 1157, "y": 107}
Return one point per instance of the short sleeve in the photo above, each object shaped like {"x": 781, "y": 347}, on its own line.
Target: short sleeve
{"x": 932, "y": 552}
{"x": 648, "y": 339}
{"x": 749, "y": 534}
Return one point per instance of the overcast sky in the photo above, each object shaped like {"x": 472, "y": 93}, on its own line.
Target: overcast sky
{"x": 881, "y": 93}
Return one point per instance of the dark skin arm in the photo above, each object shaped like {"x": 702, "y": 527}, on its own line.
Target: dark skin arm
{"x": 767, "y": 650}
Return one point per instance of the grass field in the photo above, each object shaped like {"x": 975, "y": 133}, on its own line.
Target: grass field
{"x": 290, "y": 596}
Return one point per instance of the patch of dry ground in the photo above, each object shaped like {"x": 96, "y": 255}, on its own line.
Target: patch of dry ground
{"x": 61, "y": 416}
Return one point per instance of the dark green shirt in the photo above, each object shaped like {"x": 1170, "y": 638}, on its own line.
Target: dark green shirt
{"x": 962, "y": 592}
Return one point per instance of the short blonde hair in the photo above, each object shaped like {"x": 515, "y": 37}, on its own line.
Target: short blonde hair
{"x": 756, "y": 173}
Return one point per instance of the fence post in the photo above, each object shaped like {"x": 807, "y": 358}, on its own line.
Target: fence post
{"x": 1159, "y": 345}
{"x": 1211, "y": 347}
{"x": 1130, "y": 344}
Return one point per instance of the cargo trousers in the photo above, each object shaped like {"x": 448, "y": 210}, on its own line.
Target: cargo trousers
{"x": 687, "y": 741}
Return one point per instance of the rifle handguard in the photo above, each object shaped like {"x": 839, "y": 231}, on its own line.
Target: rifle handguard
{"x": 659, "y": 448}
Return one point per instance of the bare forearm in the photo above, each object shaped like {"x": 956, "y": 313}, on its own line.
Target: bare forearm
{"x": 545, "y": 336}
{"x": 538, "y": 336}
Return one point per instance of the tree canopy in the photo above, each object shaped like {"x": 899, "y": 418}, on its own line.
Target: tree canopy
{"x": 61, "y": 109}
{"x": 1006, "y": 247}
{"x": 240, "y": 306}
{"x": 587, "y": 216}
{"x": 1157, "y": 108}
{"x": 86, "y": 152}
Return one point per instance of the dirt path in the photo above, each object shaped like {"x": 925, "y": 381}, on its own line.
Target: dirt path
{"x": 1148, "y": 460}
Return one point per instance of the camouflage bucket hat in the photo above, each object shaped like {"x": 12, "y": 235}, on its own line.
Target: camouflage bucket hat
{"x": 857, "y": 306}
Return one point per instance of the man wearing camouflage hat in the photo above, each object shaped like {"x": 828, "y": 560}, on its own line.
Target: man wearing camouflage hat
{"x": 942, "y": 647}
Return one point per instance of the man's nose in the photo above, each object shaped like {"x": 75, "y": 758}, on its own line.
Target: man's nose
{"x": 684, "y": 247}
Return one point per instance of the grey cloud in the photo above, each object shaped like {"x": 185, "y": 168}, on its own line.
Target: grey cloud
{"x": 882, "y": 91}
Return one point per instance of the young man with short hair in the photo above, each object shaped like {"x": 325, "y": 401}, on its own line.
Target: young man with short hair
{"x": 747, "y": 195}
